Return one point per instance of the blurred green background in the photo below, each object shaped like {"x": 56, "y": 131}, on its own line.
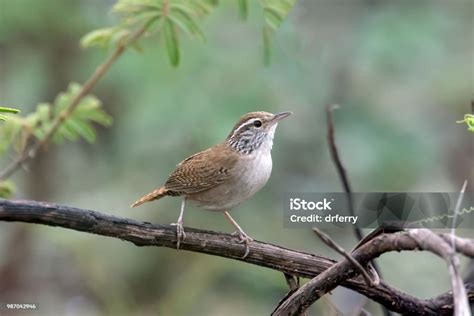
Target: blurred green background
{"x": 402, "y": 72}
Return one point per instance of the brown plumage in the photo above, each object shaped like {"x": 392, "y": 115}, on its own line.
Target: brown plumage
{"x": 154, "y": 195}
{"x": 223, "y": 176}
{"x": 203, "y": 170}
{"x": 197, "y": 173}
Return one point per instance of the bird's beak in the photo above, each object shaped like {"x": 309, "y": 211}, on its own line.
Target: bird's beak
{"x": 280, "y": 116}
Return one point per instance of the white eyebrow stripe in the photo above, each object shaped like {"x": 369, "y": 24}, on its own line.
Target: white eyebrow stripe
{"x": 250, "y": 121}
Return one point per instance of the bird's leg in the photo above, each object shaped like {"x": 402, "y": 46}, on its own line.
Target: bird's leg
{"x": 243, "y": 237}
{"x": 180, "y": 235}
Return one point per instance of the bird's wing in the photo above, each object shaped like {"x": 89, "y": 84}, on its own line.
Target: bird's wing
{"x": 201, "y": 172}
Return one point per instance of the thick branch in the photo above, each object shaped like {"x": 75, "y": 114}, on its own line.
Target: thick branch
{"x": 263, "y": 254}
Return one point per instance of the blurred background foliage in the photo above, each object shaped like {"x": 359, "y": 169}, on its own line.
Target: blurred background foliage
{"x": 402, "y": 72}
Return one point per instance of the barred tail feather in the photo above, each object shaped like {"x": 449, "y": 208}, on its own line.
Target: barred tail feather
{"x": 155, "y": 195}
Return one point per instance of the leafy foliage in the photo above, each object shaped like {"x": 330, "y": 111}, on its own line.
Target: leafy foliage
{"x": 469, "y": 120}
{"x": 170, "y": 16}
{"x": 173, "y": 17}
{"x": 274, "y": 12}
{"x": 17, "y": 130}
{"x": 66, "y": 119}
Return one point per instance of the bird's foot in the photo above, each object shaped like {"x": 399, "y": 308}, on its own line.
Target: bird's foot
{"x": 243, "y": 239}
{"x": 180, "y": 234}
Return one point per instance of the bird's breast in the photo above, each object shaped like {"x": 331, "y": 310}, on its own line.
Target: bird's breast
{"x": 248, "y": 176}
{"x": 255, "y": 170}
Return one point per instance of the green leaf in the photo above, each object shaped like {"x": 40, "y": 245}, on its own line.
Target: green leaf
{"x": 99, "y": 37}
{"x": 66, "y": 131}
{"x": 8, "y": 110}
{"x": 275, "y": 12}
{"x": 186, "y": 7}
{"x": 97, "y": 116}
{"x": 273, "y": 18}
{"x": 243, "y": 9}
{"x": 81, "y": 128}
{"x": 172, "y": 44}
{"x": 202, "y": 7}
{"x": 7, "y": 189}
{"x": 469, "y": 120}
{"x": 185, "y": 21}
{"x": 149, "y": 17}
{"x": 134, "y": 7}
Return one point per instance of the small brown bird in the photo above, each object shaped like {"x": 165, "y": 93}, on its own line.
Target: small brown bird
{"x": 225, "y": 175}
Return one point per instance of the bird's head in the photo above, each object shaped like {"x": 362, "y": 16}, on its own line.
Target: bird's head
{"x": 255, "y": 130}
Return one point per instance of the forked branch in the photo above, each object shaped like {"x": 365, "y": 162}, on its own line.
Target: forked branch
{"x": 263, "y": 254}
{"x": 415, "y": 239}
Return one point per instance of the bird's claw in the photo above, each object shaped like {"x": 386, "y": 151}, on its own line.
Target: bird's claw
{"x": 243, "y": 239}
{"x": 180, "y": 234}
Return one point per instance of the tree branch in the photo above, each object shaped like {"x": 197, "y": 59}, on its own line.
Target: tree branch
{"x": 416, "y": 239}
{"x": 341, "y": 171}
{"x": 224, "y": 245}
{"x": 333, "y": 245}
{"x": 347, "y": 187}
{"x": 29, "y": 153}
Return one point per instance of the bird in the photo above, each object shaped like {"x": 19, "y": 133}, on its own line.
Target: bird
{"x": 222, "y": 177}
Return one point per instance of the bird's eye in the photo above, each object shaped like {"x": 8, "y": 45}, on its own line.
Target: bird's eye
{"x": 257, "y": 123}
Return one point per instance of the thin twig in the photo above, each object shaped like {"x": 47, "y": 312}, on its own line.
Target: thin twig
{"x": 345, "y": 182}
{"x": 340, "y": 168}
{"x": 293, "y": 283}
{"x": 332, "y": 244}
{"x": 456, "y": 212}
{"x": 461, "y": 303}
{"x": 28, "y": 154}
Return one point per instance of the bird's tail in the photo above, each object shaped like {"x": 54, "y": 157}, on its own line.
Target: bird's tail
{"x": 155, "y": 195}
